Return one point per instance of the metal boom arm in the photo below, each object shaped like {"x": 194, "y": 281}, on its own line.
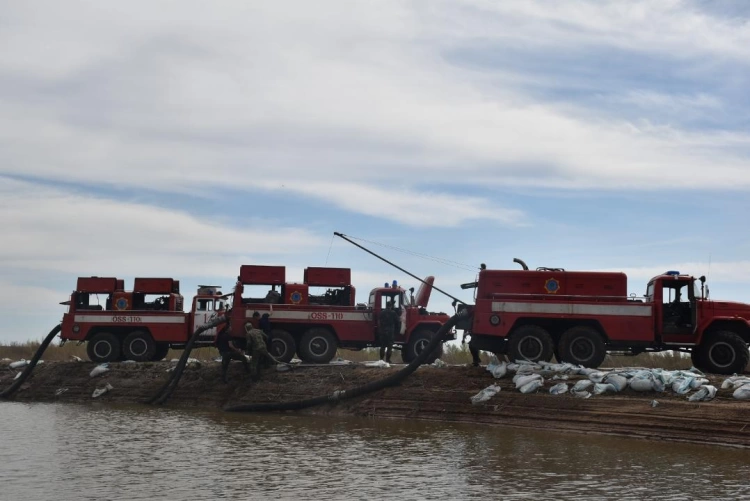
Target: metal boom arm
{"x": 395, "y": 266}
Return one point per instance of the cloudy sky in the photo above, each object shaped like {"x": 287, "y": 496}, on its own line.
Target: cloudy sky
{"x": 185, "y": 138}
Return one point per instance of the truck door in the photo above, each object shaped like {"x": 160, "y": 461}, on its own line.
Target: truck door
{"x": 678, "y": 312}
{"x": 381, "y": 300}
{"x": 205, "y": 311}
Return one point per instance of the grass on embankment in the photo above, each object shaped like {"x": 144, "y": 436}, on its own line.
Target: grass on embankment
{"x": 452, "y": 354}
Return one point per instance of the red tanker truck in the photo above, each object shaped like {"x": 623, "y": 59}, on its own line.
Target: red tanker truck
{"x": 579, "y": 316}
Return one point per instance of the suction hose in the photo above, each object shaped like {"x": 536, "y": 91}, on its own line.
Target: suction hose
{"x": 166, "y": 391}
{"x": 336, "y": 396}
{"x": 30, "y": 367}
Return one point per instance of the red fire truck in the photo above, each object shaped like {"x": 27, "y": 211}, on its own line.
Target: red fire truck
{"x": 316, "y": 317}
{"x": 139, "y": 325}
{"x": 580, "y": 316}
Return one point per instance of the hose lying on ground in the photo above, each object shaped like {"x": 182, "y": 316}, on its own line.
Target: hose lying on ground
{"x": 30, "y": 367}
{"x": 166, "y": 391}
{"x": 336, "y": 396}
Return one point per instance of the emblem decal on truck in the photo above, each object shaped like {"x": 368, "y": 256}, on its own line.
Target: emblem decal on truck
{"x": 552, "y": 286}
{"x": 121, "y": 303}
{"x": 295, "y": 297}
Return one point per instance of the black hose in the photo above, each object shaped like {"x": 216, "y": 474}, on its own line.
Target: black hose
{"x": 30, "y": 367}
{"x": 166, "y": 391}
{"x": 336, "y": 396}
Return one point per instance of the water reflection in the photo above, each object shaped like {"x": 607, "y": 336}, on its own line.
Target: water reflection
{"x": 104, "y": 452}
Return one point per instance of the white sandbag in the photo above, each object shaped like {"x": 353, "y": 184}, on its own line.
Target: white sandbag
{"x": 704, "y": 394}
{"x": 531, "y": 386}
{"x": 559, "y": 389}
{"x": 485, "y": 394}
{"x": 99, "y": 370}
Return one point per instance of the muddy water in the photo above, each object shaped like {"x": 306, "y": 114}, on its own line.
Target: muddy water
{"x": 67, "y": 452}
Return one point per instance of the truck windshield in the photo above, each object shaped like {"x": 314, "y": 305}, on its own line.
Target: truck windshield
{"x": 393, "y": 300}
{"x": 205, "y": 305}
{"x": 650, "y": 291}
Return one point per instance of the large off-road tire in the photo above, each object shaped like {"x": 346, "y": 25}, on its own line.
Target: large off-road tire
{"x": 417, "y": 342}
{"x": 161, "y": 351}
{"x": 103, "y": 347}
{"x": 723, "y": 352}
{"x": 282, "y": 345}
{"x": 139, "y": 346}
{"x": 582, "y": 345}
{"x": 318, "y": 346}
{"x": 530, "y": 342}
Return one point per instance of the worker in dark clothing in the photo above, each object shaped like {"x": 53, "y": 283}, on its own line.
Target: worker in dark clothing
{"x": 228, "y": 351}
{"x": 387, "y": 324}
{"x": 474, "y": 354}
{"x": 472, "y": 349}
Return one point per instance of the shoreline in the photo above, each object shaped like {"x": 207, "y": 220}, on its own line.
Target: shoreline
{"x": 430, "y": 394}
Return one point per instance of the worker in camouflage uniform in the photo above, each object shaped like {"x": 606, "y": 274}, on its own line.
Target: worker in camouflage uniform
{"x": 228, "y": 351}
{"x": 387, "y": 326}
{"x": 258, "y": 350}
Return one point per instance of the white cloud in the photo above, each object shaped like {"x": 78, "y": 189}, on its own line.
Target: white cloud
{"x": 188, "y": 98}
{"x": 674, "y": 28}
{"x": 58, "y": 231}
{"x": 404, "y": 205}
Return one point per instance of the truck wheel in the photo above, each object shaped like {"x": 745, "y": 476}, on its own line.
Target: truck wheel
{"x": 103, "y": 347}
{"x": 317, "y": 346}
{"x": 532, "y": 343}
{"x": 161, "y": 351}
{"x": 139, "y": 346}
{"x": 418, "y": 341}
{"x": 583, "y": 346}
{"x": 282, "y": 345}
{"x": 724, "y": 352}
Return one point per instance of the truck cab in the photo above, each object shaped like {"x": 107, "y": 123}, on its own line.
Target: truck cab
{"x": 389, "y": 296}
{"x": 207, "y": 304}
{"x": 676, "y": 305}
{"x": 715, "y": 332}
{"x": 416, "y": 324}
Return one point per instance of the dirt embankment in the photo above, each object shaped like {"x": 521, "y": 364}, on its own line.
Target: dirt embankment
{"x": 431, "y": 393}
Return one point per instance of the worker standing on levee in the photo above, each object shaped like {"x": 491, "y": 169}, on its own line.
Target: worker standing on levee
{"x": 387, "y": 324}
{"x": 264, "y": 324}
{"x": 228, "y": 351}
{"x": 472, "y": 349}
{"x": 256, "y": 346}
